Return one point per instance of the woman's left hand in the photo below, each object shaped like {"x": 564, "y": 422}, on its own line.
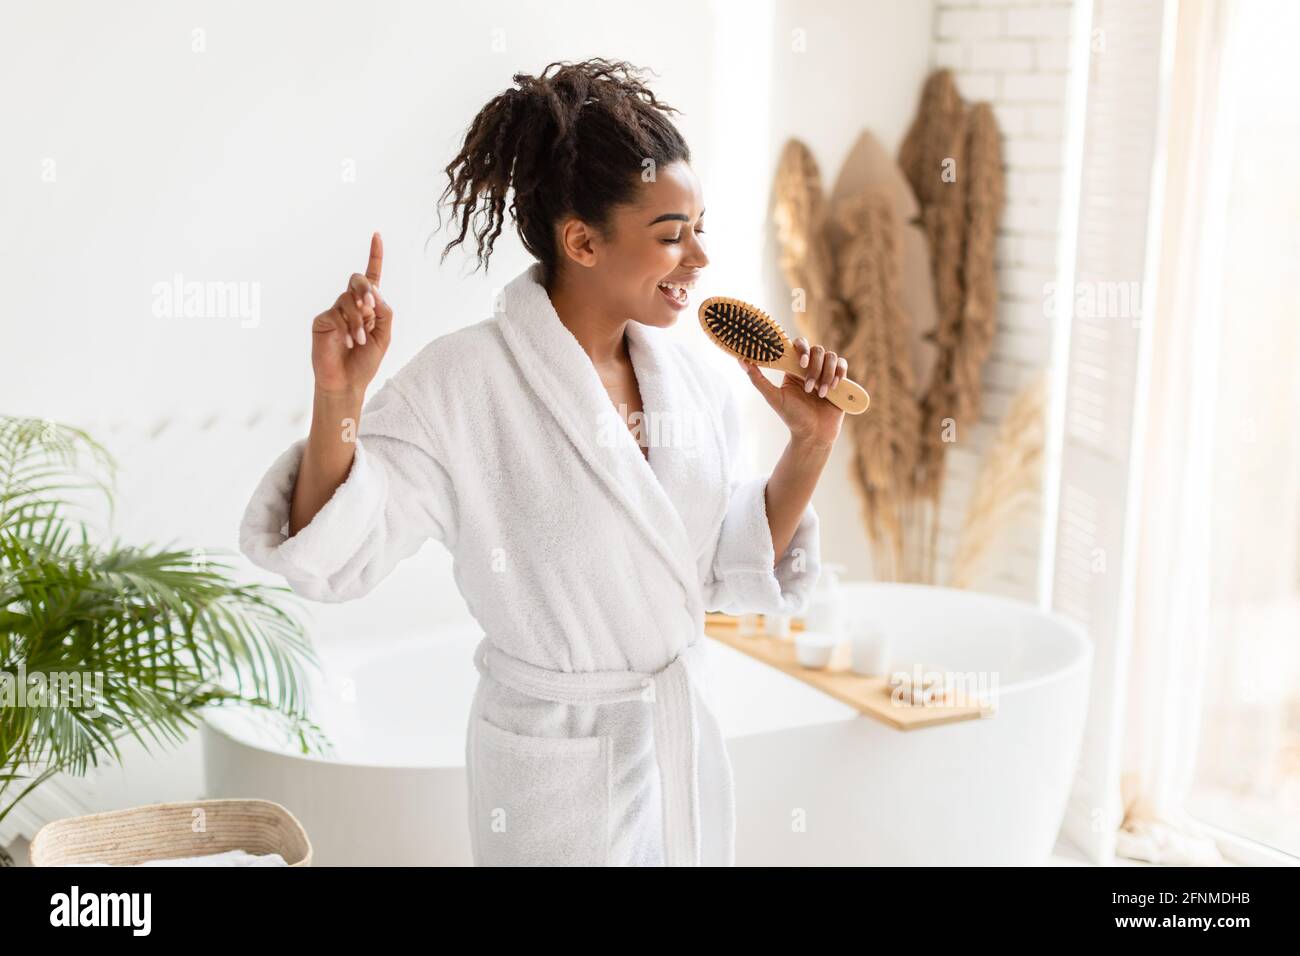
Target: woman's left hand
{"x": 801, "y": 403}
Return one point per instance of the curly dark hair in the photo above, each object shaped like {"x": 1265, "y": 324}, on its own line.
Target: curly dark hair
{"x": 573, "y": 142}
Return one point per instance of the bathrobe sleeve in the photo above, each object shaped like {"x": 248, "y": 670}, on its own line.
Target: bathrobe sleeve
{"x": 745, "y": 578}
{"x": 396, "y": 496}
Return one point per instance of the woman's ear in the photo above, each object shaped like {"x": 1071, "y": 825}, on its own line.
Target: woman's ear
{"x": 577, "y": 241}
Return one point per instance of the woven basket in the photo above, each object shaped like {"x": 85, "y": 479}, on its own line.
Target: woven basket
{"x": 163, "y": 831}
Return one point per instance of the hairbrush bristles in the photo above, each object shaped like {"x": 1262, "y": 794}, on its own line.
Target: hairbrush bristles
{"x": 743, "y": 329}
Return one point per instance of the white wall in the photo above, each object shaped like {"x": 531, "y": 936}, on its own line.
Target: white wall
{"x": 227, "y": 165}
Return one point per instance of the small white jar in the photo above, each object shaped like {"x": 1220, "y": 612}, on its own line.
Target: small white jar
{"x": 870, "y": 650}
{"x": 778, "y": 626}
{"x": 813, "y": 649}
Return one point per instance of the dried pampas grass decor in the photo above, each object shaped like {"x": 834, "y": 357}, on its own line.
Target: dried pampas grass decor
{"x": 953, "y": 158}
{"x": 1009, "y": 477}
{"x": 869, "y": 269}
{"x": 869, "y": 168}
{"x": 843, "y": 262}
{"x": 799, "y": 210}
{"x": 979, "y": 318}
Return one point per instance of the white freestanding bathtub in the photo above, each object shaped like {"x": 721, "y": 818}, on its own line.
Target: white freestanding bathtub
{"x": 816, "y": 783}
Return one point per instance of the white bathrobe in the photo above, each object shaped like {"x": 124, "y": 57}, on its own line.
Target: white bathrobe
{"x": 591, "y": 740}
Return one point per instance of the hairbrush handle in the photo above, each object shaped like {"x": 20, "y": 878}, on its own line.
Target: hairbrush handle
{"x": 846, "y": 394}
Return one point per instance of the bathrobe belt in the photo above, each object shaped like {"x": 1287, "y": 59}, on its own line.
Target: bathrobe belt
{"x": 676, "y": 726}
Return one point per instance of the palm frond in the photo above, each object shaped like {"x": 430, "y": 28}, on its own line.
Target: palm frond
{"x": 156, "y": 635}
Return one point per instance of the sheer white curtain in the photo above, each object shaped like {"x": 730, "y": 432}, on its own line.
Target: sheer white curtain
{"x": 1171, "y": 625}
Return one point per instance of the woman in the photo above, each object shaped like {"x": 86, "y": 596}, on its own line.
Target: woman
{"x": 589, "y": 556}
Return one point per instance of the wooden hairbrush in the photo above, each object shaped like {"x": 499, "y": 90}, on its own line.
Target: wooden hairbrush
{"x": 749, "y": 332}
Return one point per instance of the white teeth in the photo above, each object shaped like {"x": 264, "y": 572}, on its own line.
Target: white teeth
{"x": 677, "y": 289}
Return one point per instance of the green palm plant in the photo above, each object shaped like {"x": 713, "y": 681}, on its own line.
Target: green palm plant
{"x": 158, "y": 635}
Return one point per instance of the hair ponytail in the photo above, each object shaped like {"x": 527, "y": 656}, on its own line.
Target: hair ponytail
{"x": 573, "y": 142}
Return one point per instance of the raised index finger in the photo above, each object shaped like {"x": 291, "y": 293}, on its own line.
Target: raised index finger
{"x": 376, "y": 264}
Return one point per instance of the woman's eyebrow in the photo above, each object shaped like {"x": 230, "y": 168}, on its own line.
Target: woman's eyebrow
{"x": 672, "y": 217}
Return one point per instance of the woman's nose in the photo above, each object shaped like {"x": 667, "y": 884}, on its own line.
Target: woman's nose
{"x": 698, "y": 257}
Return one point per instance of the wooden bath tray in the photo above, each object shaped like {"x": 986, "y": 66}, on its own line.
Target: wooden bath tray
{"x": 871, "y": 696}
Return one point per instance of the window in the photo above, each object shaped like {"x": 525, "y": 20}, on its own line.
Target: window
{"x": 1247, "y": 776}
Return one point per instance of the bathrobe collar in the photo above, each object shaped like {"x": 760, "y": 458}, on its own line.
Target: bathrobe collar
{"x": 658, "y": 494}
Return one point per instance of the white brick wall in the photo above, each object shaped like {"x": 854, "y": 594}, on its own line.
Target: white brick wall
{"x": 1015, "y": 55}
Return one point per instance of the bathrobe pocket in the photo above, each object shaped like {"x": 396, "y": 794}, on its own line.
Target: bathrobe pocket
{"x": 540, "y": 801}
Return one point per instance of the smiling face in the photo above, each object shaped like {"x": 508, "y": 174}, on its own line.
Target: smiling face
{"x": 642, "y": 265}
